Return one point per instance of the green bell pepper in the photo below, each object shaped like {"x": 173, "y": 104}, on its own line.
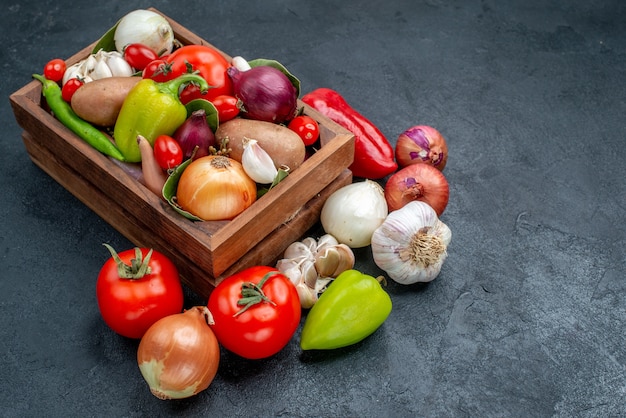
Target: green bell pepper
{"x": 352, "y": 308}
{"x": 151, "y": 109}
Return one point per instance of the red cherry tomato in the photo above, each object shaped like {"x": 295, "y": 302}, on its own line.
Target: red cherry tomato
{"x": 167, "y": 152}
{"x": 262, "y": 329}
{"x": 306, "y": 127}
{"x": 226, "y": 106}
{"x": 190, "y": 92}
{"x": 139, "y": 56}
{"x": 129, "y": 306}
{"x": 70, "y": 87}
{"x": 158, "y": 70}
{"x": 54, "y": 69}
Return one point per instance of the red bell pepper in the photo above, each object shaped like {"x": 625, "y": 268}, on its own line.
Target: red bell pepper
{"x": 373, "y": 154}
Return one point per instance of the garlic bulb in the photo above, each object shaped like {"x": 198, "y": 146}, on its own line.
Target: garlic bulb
{"x": 257, "y": 163}
{"x": 144, "y": 27}
{"x": 411, "y": 244}
{"x": 352, "y": 213}
{"x": 102, "y": 64}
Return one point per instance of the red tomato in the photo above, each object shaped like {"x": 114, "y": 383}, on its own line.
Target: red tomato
{"x": 190, "y": 92}
{"x": 70, "y": 87}
{"x": 54, "y": 69}
{"x": 227, "y": 107}
{"x": 209, "y": 63}
{"x": 262, "y": 329}
{"x": 158, "y": 70}
{"x": 306, "y": 127}
{"x": 139, "y": 56}
{"x": 129, "y": 306}
{"x": 167, "y": 152}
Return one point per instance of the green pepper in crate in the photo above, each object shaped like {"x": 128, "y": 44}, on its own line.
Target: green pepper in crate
{"x": 352, "y": 308}
{"x": 151, "y": 109}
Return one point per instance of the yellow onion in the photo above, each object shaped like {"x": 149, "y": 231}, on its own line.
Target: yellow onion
{"x": 215, "y": 188}
{"x": 179, "y": 354}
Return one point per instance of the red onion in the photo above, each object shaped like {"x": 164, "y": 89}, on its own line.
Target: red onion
{"x": 265, "y": 92}
{"x": 195, "y": 132}
{"x": 422, "y": 144}
{"x": 421, "y": 182}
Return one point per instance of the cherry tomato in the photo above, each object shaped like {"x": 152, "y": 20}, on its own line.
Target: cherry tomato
{"x": 167, "y": 152}
{"x": 139, "y": 56}
{"x": 54, "y": 69}
{"x": 129, "y": 306}
{"x": 190, "y": 92}
{"x": 226, "y": 107}
{"x": 259, "y": 330}
{"x": 158, "y": 70}
{"x": 306, "y": 127}
{"x": 70, "y": 87}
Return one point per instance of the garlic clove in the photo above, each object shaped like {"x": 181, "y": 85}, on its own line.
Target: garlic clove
{"x": 307, "y": 296}
{"x": 101, "y": 70}
{"x": 118, "y": 65}
{"x": 346, "y": 259}
{"x": 291, "y": 269}
{"x": 309, "y": 273}
{"x": 311, "y": 244}
{"x": 298, "y": 250}
{"x": 327, "y": 262}
{"x": 326, "y": 241}
{"x": 257, "y": 163}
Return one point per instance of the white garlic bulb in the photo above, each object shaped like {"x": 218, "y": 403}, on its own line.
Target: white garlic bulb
{"x": 102, "y": 64}
{"x": 411, "y": 244}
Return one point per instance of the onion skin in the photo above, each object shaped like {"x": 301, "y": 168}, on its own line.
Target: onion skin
{"x": 421, "y": 144}
{"x": 179, "y": 355}
{"x": 265, "y": 92}
{"x": 195, "y": 132}
{"x": 215, "y": 188}
{"x": 421, "y": 182}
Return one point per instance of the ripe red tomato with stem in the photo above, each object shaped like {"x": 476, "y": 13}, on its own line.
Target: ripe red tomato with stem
{"x": 139, "y": 55}
{"x": 70, "y": 87}
{"x": 306, "y": 127}
{"x": 256, "y": 312}
{"x": 136, "y": 288}
{"x": 54, "y": 69}
{"x": 167, "y": 152}
{"x": 227, "y": 107}
{"x": 158, "y": 70}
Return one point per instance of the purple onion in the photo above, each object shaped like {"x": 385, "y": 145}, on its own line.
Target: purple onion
{"x": 195, "y": 132}
{"x": 265, "y": 92}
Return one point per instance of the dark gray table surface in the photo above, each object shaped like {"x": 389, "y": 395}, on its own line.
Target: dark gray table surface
{"x": 527, "y": 317}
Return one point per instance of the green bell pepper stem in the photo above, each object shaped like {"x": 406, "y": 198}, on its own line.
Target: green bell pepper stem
{"x": 64, "y": 114}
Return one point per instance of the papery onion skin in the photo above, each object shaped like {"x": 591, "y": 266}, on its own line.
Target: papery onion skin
{"x": 195, "y": 132}
{"x": 266, "y": 93}
{"x": 395, "y": 249}
{"x": 421, "y": 144}
{"x": 215, "y": 188}
{"x": 421, "y": 182}
{"x": 179, "y": 355}
{"x": 144, "y": 27}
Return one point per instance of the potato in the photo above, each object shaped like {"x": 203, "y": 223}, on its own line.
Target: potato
{"x": 283, "y": 145}
{"x": 100, "y": 101}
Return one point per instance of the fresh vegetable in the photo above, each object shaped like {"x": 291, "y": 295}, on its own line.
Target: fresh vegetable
{"x": 265, "y": 93}
{"x": 410, "y": 246}
{"x": 306, "y": 127}
{"x": 421, "y": 144}
{"x": 102, "y": 64}
{"x": 153, "y": 176}
{"x": 69, "y": 88}
{"x": 215, "y": 188}
{"x": 209, "y": 63}
{"x": 158, "y": 70}
{"x": 352, "y": 213}
{"x": 136, "y": 288}
{"x": 373, "y": 154}
{"x": 139, "y": 55}
{"x": 144, "y": 27}
{"x": 352, "y": 308}
{"x": 195, "y": 134}
{"x": 64, "y": 113}
{"x": 179, "y": 355}
{"x": 282, "y": 144}
{"x": 151, "y": 109}
{"x": 226, "y": 107}
{"x": 100, "y": 101}
{"x": 311, "y": 264}
{"x": 167, "y": 152}
{"x": 256, "y": 312}
{"x": 417, "y": 182}
{"x": 54, "y": 70}
{"x": 257, "y": 163}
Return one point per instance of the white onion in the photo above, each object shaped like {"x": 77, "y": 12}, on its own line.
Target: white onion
{"x": 352, "y": 213}
{"x": 145, "y": 27}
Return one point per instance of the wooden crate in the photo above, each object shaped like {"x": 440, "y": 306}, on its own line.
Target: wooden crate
{"x": 204, "y": 252}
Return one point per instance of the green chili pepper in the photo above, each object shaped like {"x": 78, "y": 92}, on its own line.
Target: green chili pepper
{"x": 64, "y": 113}
{"x": 151, "y": 109}
{"x": 352, "y": 308}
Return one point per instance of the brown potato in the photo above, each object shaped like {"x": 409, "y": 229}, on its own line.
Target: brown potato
{"x": 283, "y": 145}
{"x": 100, "y": 101}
